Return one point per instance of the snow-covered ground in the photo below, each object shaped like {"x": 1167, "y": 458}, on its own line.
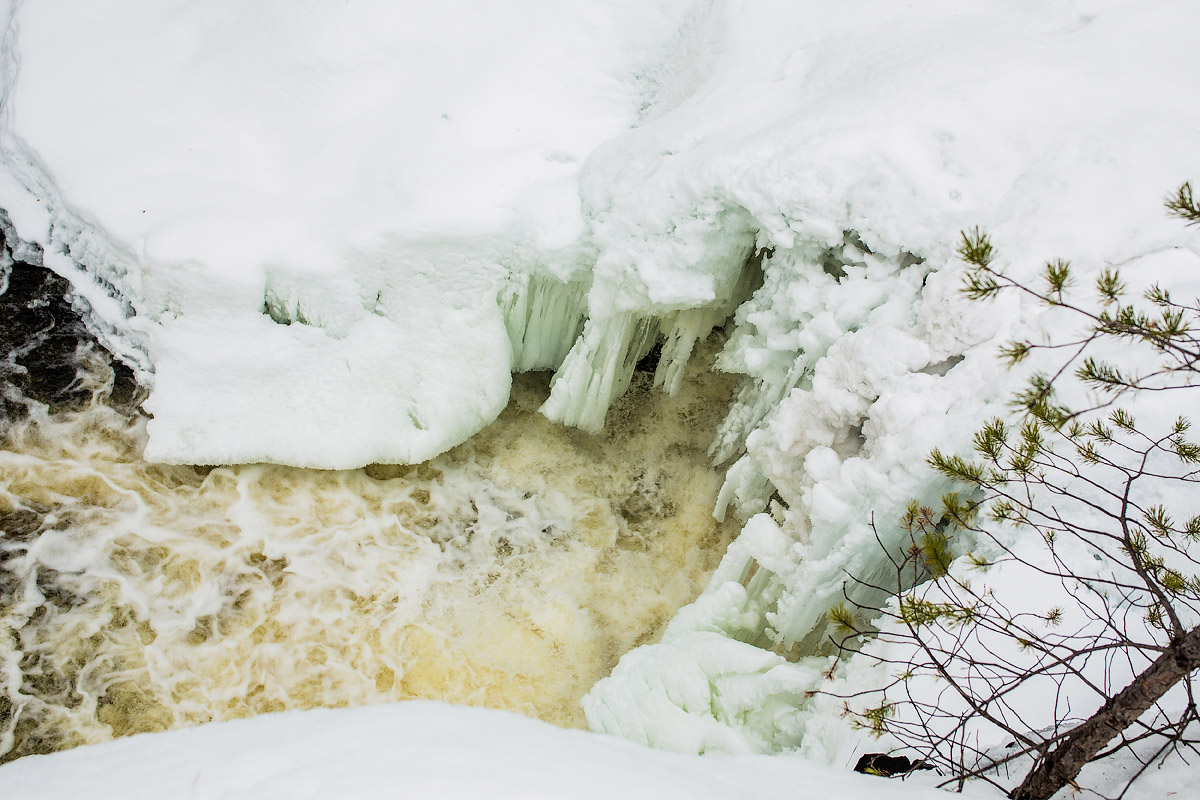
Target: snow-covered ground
{"x": 417, "y": 749}
{"x": 325, "y": 233}
{"x": 423, "y": 749}
{"x": 372, "y": 195}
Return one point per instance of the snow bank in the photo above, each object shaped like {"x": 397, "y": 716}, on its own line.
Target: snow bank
{"x": 415, "y": 749}
{"x": 299, "y": 217}
{"x": 318, "y": 229}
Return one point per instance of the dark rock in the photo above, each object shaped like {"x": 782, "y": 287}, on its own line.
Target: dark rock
{"x": 41, "y": 333}
{"x": 649, "y": 362}
{"x": 888, "y": 766}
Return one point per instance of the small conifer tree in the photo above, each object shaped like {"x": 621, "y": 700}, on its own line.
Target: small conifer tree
{"x": 1113, "y": 504}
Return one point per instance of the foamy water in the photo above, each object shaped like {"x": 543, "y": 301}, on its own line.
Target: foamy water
{"x": 511, "y": 572}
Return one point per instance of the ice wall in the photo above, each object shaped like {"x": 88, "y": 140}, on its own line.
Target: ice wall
{"x": 861, "y": 139}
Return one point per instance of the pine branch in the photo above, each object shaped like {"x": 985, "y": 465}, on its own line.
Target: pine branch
{"x": 1183, "y": 205}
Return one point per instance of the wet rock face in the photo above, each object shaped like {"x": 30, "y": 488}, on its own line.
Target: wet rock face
{"x": 41, "y": 334}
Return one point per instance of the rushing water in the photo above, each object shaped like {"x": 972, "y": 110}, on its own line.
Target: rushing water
{"x": 510, "y": 572}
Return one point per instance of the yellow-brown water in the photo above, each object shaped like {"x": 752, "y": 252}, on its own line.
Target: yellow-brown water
{"x": 511, "y": 572}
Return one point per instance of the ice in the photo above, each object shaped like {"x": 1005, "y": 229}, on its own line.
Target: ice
{"x": 544, "y": 317}
{"x": 600, "y": 364}
{"x": 861, "y": 140}
{"x": 597, "y": 369}
{"x": 326, "y": 166}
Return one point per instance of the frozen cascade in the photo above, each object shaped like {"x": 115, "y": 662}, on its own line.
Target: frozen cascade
{"x": 809, "y": 298}
{"x": 748, "y": 653}
{"x": 600, "y": 363}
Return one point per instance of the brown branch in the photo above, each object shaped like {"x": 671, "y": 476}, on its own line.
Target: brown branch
{"x": 1060, "y": 767}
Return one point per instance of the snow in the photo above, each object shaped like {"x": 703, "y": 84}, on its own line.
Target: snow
{"x": 327, "y": 232}
{"x": 861, "y": 143}
{"x": 416, "y": 749}
{"x": 279, "y": 194}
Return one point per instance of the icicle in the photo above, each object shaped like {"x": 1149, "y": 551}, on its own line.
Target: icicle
{"x": 598, "y": 370}
{"x": 755, "y": 401}
{"x": 543, "y": 321}
{"x": 746, "y": 489}
{"x": 685, "y": 329}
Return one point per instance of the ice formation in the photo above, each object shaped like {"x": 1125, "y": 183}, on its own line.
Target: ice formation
{"x": 862, "y": 139}
{"x": 327, "y": 235}
{"x": 305, "y": 215}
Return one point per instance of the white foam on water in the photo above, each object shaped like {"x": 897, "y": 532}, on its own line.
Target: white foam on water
{"x": 510, "y": 572}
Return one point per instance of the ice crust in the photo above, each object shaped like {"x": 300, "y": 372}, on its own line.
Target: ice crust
{"x": 384, "y": 212}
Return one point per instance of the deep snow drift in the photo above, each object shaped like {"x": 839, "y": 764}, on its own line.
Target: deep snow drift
{"x": 325, "y": 233}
